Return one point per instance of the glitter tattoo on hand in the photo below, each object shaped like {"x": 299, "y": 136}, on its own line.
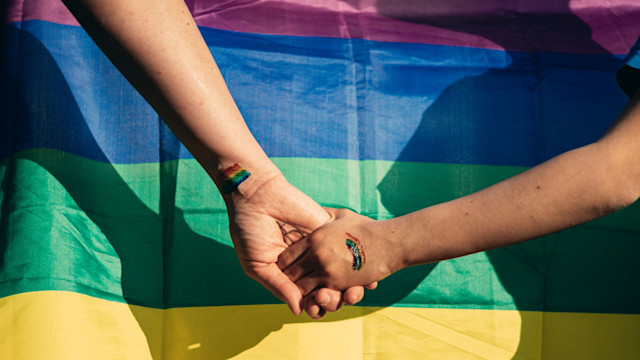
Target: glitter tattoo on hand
{"x": 232, "y": 177}
{"x": 357, "y": 250}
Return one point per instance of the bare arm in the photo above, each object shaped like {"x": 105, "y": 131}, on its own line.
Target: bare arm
{"x": 158, "y": 48}
{"x": 570, "y": 189}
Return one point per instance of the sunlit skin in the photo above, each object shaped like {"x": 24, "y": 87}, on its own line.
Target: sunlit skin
{"x": 176, "y": 73}
{"x": 159, "y": 49}
{"x": 570, "y": 189}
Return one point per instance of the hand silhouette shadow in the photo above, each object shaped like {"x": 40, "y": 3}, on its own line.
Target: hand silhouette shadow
{"x": 195, "y": 270}
{"x": 164, "y": 263}
{"x": 493, "y": 119}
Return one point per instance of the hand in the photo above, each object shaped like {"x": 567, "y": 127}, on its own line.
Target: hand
{"x": 323, "y": 259}
{"x": 318, "y": 302}
{"x": 255, "y": 221}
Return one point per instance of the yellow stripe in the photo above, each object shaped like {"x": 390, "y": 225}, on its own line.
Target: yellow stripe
{"x": 235, "y": 173}
{"x": 63, "y": 325}
{"x": 229, "y": 176}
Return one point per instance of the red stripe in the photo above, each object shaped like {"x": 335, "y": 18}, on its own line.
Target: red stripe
{"x": 229, "y": 172}
{"x": 360, "y": 247}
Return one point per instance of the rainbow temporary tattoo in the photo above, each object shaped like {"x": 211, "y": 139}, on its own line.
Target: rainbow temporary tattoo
{"x": 232, "y": 177}
{"x": 357, "y": 250}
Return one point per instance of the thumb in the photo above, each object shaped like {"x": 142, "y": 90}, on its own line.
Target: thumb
{"x": 272, "y": 278}
{"x": 304, "y": 213}
{"x": 334, "y": 213}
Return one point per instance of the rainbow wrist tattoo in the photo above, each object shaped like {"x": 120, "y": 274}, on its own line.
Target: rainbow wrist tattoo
{"x": 232, "y": 177}
{"x": 357, "y": 250}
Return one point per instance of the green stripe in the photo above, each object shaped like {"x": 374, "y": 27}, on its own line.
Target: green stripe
{"x": 232, "y": 183}
{"x": 74, "y": 224}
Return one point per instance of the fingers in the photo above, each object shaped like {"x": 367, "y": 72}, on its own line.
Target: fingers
{"x": 328, "y": 299}
{"x": 294, "y": 265}
{"x": 372, "y": 286}
{"x": 272, "y": 278}
{"x": 336, "y": 213}
{"x": 297, "y": 264}
{"x": 314, "y": 310}
{"x": 353, "y": 295}
{"x": 292, "y": 253}
{"x": 304, "y": 213}
{"x": 320, "y": 301}
{"x": 309, "y": 283}
{"x": 290, "y": 234}
{"x": 302, "y": 267}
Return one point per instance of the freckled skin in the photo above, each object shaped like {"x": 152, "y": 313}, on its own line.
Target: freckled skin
{"x": 175, "y": 72}
{"x": 580, "y": 185}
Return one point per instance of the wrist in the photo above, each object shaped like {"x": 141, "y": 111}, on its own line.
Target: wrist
{"x": 242, "y": 179}
{"x": 406, "y": 243}
{"x": 392, "y": 234}
{"x": 258, "y": 190}
{"x": 429, "y": 235}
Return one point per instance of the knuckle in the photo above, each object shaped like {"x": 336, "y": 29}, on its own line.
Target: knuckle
{"x": 323, "y": 257}
{"x": 332, "y": 271}
{"x": 316, "y": 239}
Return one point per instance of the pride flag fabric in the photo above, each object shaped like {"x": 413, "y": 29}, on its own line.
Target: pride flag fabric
{"x": 114, "y": 243}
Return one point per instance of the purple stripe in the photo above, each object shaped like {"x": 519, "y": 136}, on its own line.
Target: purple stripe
{"x": 47, "y": 10}
{"x": 583, "y": 26}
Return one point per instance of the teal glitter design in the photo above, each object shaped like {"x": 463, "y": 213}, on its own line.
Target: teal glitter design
{"x": 357, "y": 254}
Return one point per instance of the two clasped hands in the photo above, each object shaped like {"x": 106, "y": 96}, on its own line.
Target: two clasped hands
{"x": 175, "y": 72}
{"x": 297, "y": 249}
{"x": 312, "y": 258}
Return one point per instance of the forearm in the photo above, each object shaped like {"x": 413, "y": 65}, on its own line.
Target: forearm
{"x": 573, "y": 188}
{"x": 158, "y": 47}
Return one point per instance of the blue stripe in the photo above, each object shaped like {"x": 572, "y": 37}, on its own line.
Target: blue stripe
{"x": 633, "y": 58}
{"x": 319, "y": 98}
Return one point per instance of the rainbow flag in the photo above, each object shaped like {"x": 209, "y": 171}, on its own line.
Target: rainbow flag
{"x": 114, "y": 243}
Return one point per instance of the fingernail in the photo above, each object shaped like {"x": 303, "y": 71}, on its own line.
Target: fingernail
{"x": 352, "y": 300}
{"x": 295, "y": 312}
{"x": 314, "y": 311}
{"x": 323, "y": 299}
